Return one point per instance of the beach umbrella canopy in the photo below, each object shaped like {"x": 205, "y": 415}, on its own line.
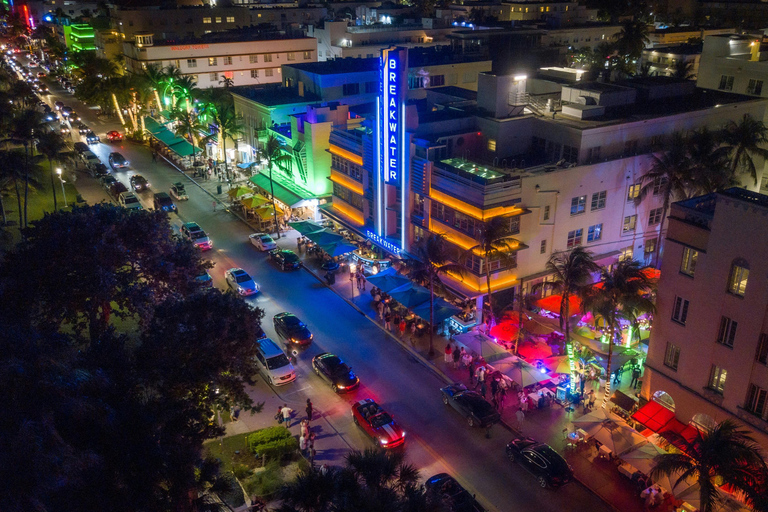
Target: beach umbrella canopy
{"x": 479, "y": 343}
{"x": 338, "y": 248}
{"x": 534, "y": 350}
{"x": 305, "y": 226}
{"x": 410, "y": 295}
{"x": 442, "y": 310}
{"x": 254, "y": 201}
{"x": 686, "y": 489}
{"x": 557, "y": 364}
{"x": 239, "y": 192}
{"x": 267, "y": 212}
{"x": 619, "y": 358}
{"x": 324, "y": 237}
{"x": 597, "y": 419}
{"x": 505, "y": 331}
{"x": 620, "y": 438}
{"x": 642, "y": 458}
{"x": 388, "y": 280}
{"x": 553, "y": 302}
{"x": 523, "y": 373}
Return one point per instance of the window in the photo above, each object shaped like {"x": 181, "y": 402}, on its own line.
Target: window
{"x": 267, "y": 57}
{"x": 437, "y": 80}
{"x": 727, "y": 331}
{"x": 688, "y": 265}
{"x": 626, "y": 254}
{"x": 254, "y": 73}
{"x": 598, "y": 200}
{"x": 543, "y": 247}
{"x": 218, "y": 19}
{"x": 726, "y": 83}
{"x": 351, "y": 89}
{"x": 578, "y": 205}
{"x": 630, "y": 222}
{"x": 230, "y": 19}
{"x": 717, "y": 379}
{"x": 737, "y": 282}
{"x": 253, "y": 59}
{"x": 269, "y": 72}
{"x": 570, "y": 154}
{"x": 680, "y": 310}
{"x": 655, "y": 216}
{"x": 307, "y": 55}
{"x": 756, "y": 400}
{"x": 755, "y": 87}
{"x": 214, "y": 77}
{"x": 191, "y": 63}
{"x": 761, "y": 356}
{"x": 633, "y": 192}
{"x": 595, "y": 233}
{"x": 546, "y": 213}
{"x": 574, "y": 238}
{"x": 491, "y": 144}
{"x": 672, "y": 356}
{"x": 650, "y": 246}
{"x": 227, "y": 61}
{"x": 593, "y": 154}
{"x": 212, "y": 61}
{"x": 291, "y": 56}
{"x": 206, "y": 20}
{"x": 658, "y": 185}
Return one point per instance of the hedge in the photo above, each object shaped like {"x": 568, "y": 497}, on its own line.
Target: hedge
{"x": 267, "y": 435}
{"x": 272, "y": 442}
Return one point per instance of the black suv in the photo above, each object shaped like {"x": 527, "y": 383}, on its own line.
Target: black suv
{"x": 164, "y": 202}
{"x": 548, "y": 466}
{"x": 454, "y": 495}
{"x": 285, "y": 259}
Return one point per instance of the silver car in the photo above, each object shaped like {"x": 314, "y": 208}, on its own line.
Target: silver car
{"x": 239, "y": 281}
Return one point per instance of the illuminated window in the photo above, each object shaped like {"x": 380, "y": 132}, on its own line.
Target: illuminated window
{"x": 578, "y": 205}
{"x": 717, "y": 377}
{"x": 630, "y": 222}
{"x": 206, "y": 20}
{"x": 595, "y": 233}
{"x": 212, "y": 61}
{"x": 688, "y": 265}
{"x": 633, "y": 192}
{"x": 253, "y": 59}
{"x": 291, "y": 56}
{"x": 737, "y": 282}
{"x": 218, "y": 19}
{"x": 626, "y": 254}
{"x": 574, "y": 238}
{"x": 650, "y": 246}
{"x": 680, "y": 310}
{"x": 230, "y": 19}
{"x": 491, "y": 144}
{"x": 307, "y": 55}
{"x": 227, "y": 61}
{"x": 254, "y": 73}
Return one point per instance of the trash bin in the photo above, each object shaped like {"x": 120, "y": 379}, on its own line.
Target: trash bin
{"x": 218, "y": 189}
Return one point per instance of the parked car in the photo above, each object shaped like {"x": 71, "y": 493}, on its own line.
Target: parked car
{"x": 205, "y": 280}
{"x": 66, "y": 110}
{"x": 291, "y": 329}
{"x": 81, "y": 147}
{"x": 92, "y": 138}
{"x": 90, "y": 159}
{"x": 548, "y": 466}
{"x": 272, "y": 363}
{"x": 107, "y": 181}
{"x": 129, "y": 200}
{"x": 117, "y": 160}
{"x": 114, "y": 136}
{"x": 334, "y": 371}
{"x": 139, "y": 183}
{"x": 478, "y": 411}
{"x": 178, "y": 192}
{"x": 99, "y": 170}
{"x": 117, "y": 188}
{"x": 195, "y": 234}
{"x": 164, "y": 202}
{"x": 240, "y": 281}
{"x": 285, "y": 259}
{"x": 377, "y": 423}
{"x": 74, "y": 117}
{"x": 59, "y": 105}
{"x": 262, "y": 241}
{"x": 455, "y": 496}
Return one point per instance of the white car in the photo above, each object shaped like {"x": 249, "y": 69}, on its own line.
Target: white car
{"x": 262, "y": 241}
{"x": 239, "y": 281}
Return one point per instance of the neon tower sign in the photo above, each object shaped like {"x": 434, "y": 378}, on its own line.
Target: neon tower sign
{"x": 392, "y": 115}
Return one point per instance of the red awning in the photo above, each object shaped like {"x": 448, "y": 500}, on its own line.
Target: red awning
{"x": 687, "y": 432}
{"x": 504, "y": 331}
{"x": 553, "y": 302}
{"x": 654, "y": 416}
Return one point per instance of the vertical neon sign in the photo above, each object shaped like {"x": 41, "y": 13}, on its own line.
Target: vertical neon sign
{"x": 392, "y": 118}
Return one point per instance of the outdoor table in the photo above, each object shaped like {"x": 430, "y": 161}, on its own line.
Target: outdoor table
{"x": 582, "y": 434}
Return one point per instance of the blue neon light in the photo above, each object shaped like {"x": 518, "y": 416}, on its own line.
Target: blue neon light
{"x": 392, "y": 117}
{"x": 382, "y": 242}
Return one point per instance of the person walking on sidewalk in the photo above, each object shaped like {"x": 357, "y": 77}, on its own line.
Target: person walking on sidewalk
{"x": 154, "y": 156}
{"x": 520, "y": 415}
{"x": 279, "y": 415}
{"x": 380, "y": 307}
{"x": 401, "y": 328}
{"x": 303, "y": 445}
{"x": 448, "y": 353}
{"x": 456, "y": 357}
{"x": 309, "y": 409}
{"x": 286, "y": 412}
{"x": 304, "y": 428}
{"x": 471, "y": 369}
{"x": 388, "y": 321}
{"x": 362, "y": 281}
{"x": 480, "y": 376}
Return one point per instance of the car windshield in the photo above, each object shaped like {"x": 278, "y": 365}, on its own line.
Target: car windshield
{"x": 290, "y": 257}
{"x": 339, "y": 368}
{"x": 276, "y": 362}
{"x": 292, "y": 321}
{"x": 380, "y": 420}
{"x": 242, "y": 277}
{"x": 131, "y": 200}
{"x": 196, "y": 235}
{"x": 559, "y": 465}
{"x": 266, "y": 239}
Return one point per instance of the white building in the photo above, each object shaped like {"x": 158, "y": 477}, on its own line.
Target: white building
{"x": 734, "y": 63}
{"x": 663, "y": 60}
{"x": 246, "y": 59}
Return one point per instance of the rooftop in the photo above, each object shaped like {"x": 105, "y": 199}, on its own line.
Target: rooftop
{"x": 339, "y": 66}
{"x": 234, "y": 36}
{"x": 705, "y": 205}
{"x": 677, "y": 49}
{"x": 273, "y": 95}
{"x": 452, "y": 90}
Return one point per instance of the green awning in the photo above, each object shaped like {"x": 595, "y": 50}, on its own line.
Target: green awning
{"x": 167, "y": 137}
{"x": 152, "y": 126}
{"x": 184, "y": 148}
{"x": 282, "y": 194}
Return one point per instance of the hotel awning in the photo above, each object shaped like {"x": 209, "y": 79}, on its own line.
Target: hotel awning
{"x": 282, "y": 194}
{"x": 152, "y": 126}
{"x": 184, "y": 148}
{"x": 553, "y": 303}
{"x": 167, "y": 137}
{"x": 623, "y": 401}
{"x": 675, "y": 430}
{"x": 654, "y": 416}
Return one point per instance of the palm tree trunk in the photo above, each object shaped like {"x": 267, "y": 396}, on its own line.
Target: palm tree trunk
{"x": 661, "y": 236}
{"x": 2, "y": 207}
{"x": 607, "y": 395}
{"x": 431, "y": 315}
{"x": 272, "y": 191}
{"x": 53, "y": 187}
{"x": 224, "y": 151}
{"x": 488, "y": 287}
{"x": 735, "y": 161}
{"x": 18, "y": 199}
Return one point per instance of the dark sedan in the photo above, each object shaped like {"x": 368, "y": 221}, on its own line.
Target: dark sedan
{"x": 548, "y": 466}
{"x": 453, "y": 494}
{"x": 164, "y": 202}
{"x": 285, "y": 259}
{"x": 336, "y": 372}
{"x": 478, "y": 411}
{"x": 291, "y": 329}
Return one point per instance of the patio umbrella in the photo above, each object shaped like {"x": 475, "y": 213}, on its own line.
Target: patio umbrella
{"x": 536, "y": 328}
{"x": 642, "y": 458}
{"x": 619, "y": 438}
{"x": 553, "y": 302}
{"x": 505, "y": 331}
{"x": 558, "y": 364}
{"x": 534, "y": 350}
{"x": 254, "y": 201}
{"x": 410, "y": 295}
{"x": 597, "y": 419}
{"x": 267, "y": 212}
{"x": 324, "y": 237}
{"x": 687, "y": 488}
{"x": 338, "y": 248}
{"x": 239, "y": 192}
{"x": 482, "y": 345}
{"x": 442, "y": 310}
{"x": 523, "y": 373}
{"x": 388, "y": 280}
{"x": 619, "y": 358}
{"x": 305, "y": 226}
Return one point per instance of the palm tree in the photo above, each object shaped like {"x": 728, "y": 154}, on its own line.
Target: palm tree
{"x": 669, "y": 176}
{"x": 623, "y": 292}
{"x": 12, "y": 171}
{"x": 25, "y": 126}
{"x": 51, "y": 144}
{"x": 274, "y": 155}
{"x": 431, "y": 261}
{"x": 154, "y": 76}
{"x": 684, "y": 70}
{"x": 496, "y": 244}
{"x": 571, "y": 275}
{"x": 745, "y": 140}
{"x": 229, "y": 125}
{"x": 707, "y": 160}
{"x": 727, "y": 453}
{"x": 632, "y": 39}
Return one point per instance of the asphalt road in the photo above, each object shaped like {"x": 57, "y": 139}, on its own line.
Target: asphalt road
{"x": 437, "y": 440}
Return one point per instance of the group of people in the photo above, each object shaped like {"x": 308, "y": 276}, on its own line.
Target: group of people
{"x": 306, "y": 436}
{"x": 481, "y": 377}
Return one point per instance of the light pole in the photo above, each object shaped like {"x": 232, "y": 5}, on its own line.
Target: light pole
{"x": 63, "y": 192}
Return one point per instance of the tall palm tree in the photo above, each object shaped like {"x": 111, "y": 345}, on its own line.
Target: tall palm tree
{"x": 745, "y": 141}
{"x": 432, "y": 260}
{"x": 632, "y": 39}
{"x": 154, "y": 76}
{"x": 709, "y": 169}
{"x": 571, "y": 275}
{"x": 727, "y": 453}
{"x": 684, "y": 70}
{"x": 273, "y": 154}
{"x": 230, "y": 125}
{"x": 26, "y": 125}
{"x": 12, "y": 171}
{"x": 51, "y": 145}
{"x": 496, "y": 244}
{"x": 623, "y": 292}
{"x": 668, "y": 176}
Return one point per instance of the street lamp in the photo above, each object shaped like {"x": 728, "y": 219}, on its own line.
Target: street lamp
{"x": 63, "y": 192}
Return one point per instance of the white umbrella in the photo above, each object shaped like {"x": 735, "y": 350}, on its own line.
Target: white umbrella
{"x": 642, "y": 458}
{"x": 519, "y": 371}
{"x": 619, "y": 438}
{"x": 598, "y": 417}
{"x": 482, "y": 345}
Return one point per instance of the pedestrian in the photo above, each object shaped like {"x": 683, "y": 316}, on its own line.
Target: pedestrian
{"x": 456, "y": 357}
{"x": 413, "y": 332}
{"x": 480, "y": 376}
{"x": 312, "y": 454}
{"x": 502, "y": 398}
{"x": 304, "y": 428}
{"x": 494, "y": 387}
{"x": 381, "y": 310}
{"x": 396, "y": 320}
{"x": 309, "y": 409}
{"x": 324, "y": 469}
{"x": 154, "y": 156}
{"x": 298, "y": 245}
{"x": 362, "y": 281}
{"x": 462, "y": 358}
{"x": 592, "y": 398}
{"x": 214, "y": 205}
{"x": 286, "y": 412}
{"x": 279, "y": 415}
{"x": 471, "y": 369}
{"x": 387, "y": 320}
{"x": 483, "y": 389}
{"x": 448, "y": 353}
{"x": 635, "y": 376}
{"x": 376, "y": 297}
{"x": 520, "y": 415}
{"x": 617, "y": 376}
{"x": 303, "y": 445}
{"x": 401, "y": 328}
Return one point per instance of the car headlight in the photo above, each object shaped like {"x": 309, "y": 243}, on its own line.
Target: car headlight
{"x": 383, "y": 442}
{"x": 340, "y": 387}
{"x": 403, "y": 433}
{"x": 241, "y": 290}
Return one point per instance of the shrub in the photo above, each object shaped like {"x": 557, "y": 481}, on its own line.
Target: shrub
{"x": 265, "y": 436}
{"x": 241, "y": 471}
{"x": 277, "y": 450}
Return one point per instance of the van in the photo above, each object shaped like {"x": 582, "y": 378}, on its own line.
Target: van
{"x": 273, "y": 363}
